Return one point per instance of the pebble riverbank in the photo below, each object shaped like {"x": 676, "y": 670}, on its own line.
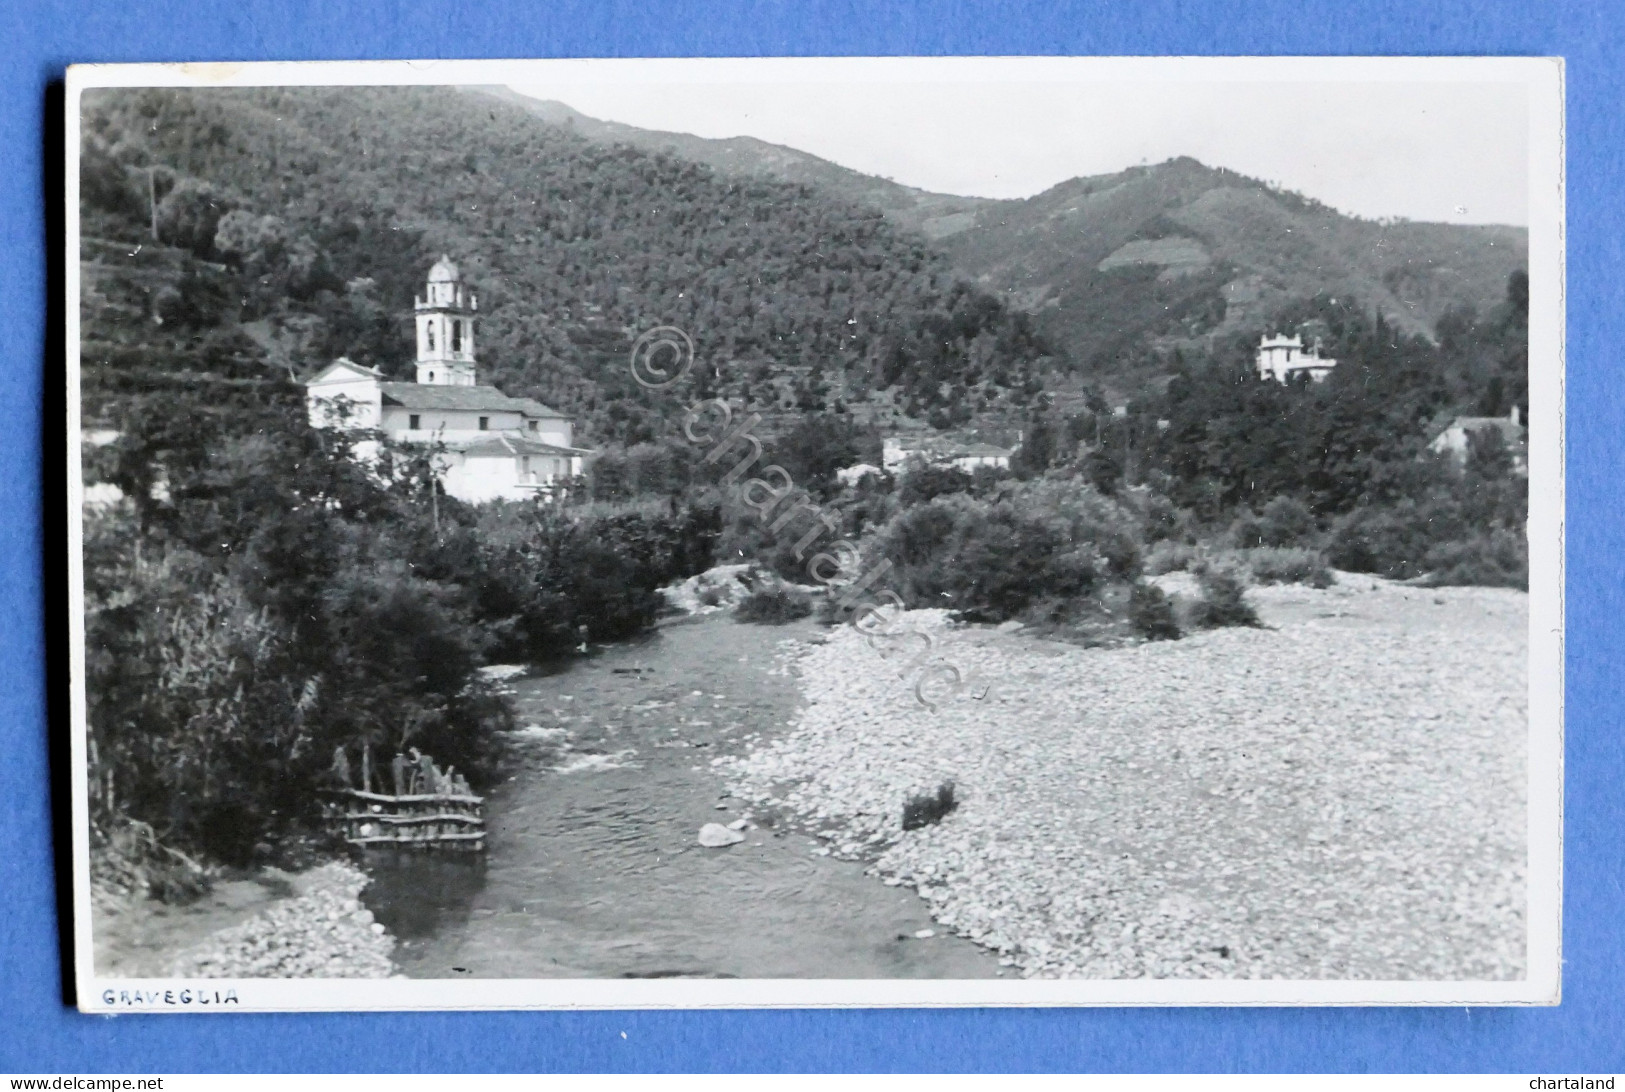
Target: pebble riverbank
{"x": 322, "y": 932}
{"x": 1340, "y": 795}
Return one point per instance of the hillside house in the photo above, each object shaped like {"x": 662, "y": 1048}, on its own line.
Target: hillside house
{"x": 852, "y": 475}
{"x": 1284, "y": 358}
{"x": 495, "y": 447}
{"x": 932, "y": 450}
{"x": 1456, "y": 437}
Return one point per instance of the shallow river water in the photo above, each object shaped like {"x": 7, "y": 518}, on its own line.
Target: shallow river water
{"x": 592, "y": 867}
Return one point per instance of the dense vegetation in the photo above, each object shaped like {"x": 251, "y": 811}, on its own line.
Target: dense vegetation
{"x": 328, "y": 205}
{"x": 259, "y": 602}
{"x": 1342, "y": 466}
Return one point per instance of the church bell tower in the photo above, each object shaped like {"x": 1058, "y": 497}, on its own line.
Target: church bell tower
{"x": 445, "y": 316}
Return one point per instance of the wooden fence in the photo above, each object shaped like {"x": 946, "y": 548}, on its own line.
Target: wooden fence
{"x": 429, "y": 809}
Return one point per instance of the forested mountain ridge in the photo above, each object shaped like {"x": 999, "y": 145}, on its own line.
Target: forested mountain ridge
{"x": 807, "y": 286}
{"x": 1178, "y": 254}
{"x": 932, "y": 214}
{"x": 1116, "y": 267}
{"x": 303, "y": 220}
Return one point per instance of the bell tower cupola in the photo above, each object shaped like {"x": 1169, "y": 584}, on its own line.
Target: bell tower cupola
{"x": 445, "y": 317}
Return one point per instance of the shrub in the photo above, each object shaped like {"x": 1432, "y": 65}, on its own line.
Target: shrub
{"x": 537, "y": 579}
{"x": 774, "y": 605}
{"x": 1163, "y": 520}
{"x": 1044, "y": 546}
{"x": 1244, "y": 531}
{"x": 747, "y": 537}
{"x": 1151, "y": 614}
{"x": 189, "y": 215}
{"x": 1224, "y": 601}
{"x": 1285, "y": 522}
{"x": 243, "y": 235}
{"x": 1286, "y": 565}
{"x": 1391, "y": 542}
{"x": 1498, "y": 559}
{"x": 128, "y": 859}
{"x": 926, "y": 483}
{"x": 1168, "y": 556}
{"x": 196, "y": 301}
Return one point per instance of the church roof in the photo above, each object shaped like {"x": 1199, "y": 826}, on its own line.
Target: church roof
{"x": 435, "y": 396}
{"x": 534, "y": 408}
{"x": 503, "y": 446}
{"x": 343, "y": 362}
{"x": 444, "y": 271}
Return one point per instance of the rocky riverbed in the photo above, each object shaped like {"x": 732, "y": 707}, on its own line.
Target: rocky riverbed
{"x": 1339, "y": 795}
{"x": 309, "y": 924}
{"x": 323, "y": 932}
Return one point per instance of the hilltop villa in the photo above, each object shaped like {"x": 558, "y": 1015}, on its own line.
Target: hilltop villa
{"x": 495, "y": 447}
{"x": 1283, "y": 358}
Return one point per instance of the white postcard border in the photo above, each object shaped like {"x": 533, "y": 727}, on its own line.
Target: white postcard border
{"x": 1543, "y": 77}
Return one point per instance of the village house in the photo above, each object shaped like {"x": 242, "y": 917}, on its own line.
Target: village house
{"x": 897, "y": 452}
{"x": 1283, "y": 359}
{"x": 1456, "y": 437}
{"x": 493, "y": 447}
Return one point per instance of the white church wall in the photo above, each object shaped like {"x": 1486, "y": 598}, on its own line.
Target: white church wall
{"x": 480, "y": 479}
{"x": 552, "y": 430}
{"x": 345, "y": 401}
{"x": 451, "y": 426}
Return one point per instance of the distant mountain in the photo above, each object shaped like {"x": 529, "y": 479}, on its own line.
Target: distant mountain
{"x": 1112, "y": 266}
{"x": 932, "y": 214}
{"x": 1180, "y": 252}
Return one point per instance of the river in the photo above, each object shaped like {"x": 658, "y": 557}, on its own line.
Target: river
{"x": 592, "y": 867}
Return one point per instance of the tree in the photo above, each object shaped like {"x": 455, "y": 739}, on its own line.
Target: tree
{"x": 190, "y": 214}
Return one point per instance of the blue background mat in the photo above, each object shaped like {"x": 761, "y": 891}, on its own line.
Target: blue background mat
{"x": 37, "y": 1033}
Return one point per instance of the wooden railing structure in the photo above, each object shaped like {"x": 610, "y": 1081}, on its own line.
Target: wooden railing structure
{"x": 429, "y": 809}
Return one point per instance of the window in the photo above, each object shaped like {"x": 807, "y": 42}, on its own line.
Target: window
{"x": 524, "y": 467}
{"x": 414, "y": 422}
{"x": 485, "y": 423}
{"x": 428, "y": 328}
{"x": 533, "y": 425}
{"x": 457, "y": 335}
{"x": 431, "y": 377}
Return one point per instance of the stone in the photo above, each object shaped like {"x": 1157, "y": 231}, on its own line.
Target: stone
{"x": 717, "y": 836}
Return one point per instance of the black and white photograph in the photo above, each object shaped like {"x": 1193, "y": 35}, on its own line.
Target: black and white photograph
{"x": 816, "y": 532}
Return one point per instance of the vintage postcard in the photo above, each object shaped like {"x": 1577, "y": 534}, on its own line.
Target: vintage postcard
{"x": 770, "y": 532}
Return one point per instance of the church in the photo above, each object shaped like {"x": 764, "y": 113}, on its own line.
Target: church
{"x": 494, "y": 447}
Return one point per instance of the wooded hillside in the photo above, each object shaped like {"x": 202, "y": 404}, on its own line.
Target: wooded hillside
{"x": 330, "y": 205}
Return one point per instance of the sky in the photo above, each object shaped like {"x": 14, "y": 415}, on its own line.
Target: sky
{"x": 1436, "y": 151}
